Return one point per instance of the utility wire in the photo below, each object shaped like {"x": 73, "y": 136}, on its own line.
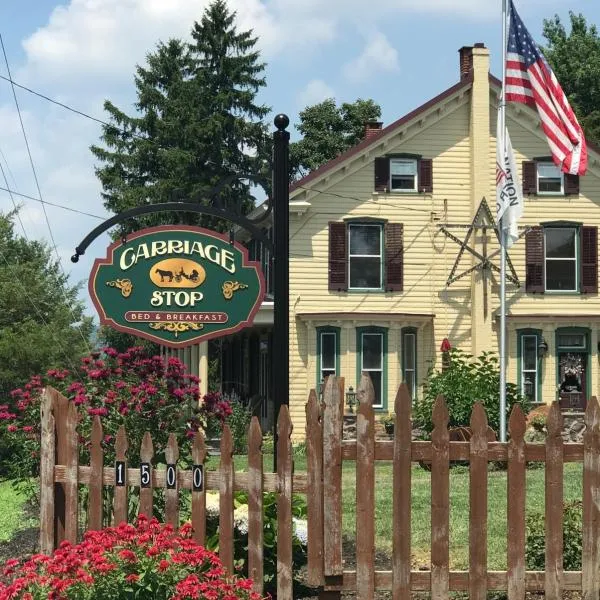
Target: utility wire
{"x": 14, "y": 202}
{"x": 75, "y": 210}
{"x": 37, "y": 184}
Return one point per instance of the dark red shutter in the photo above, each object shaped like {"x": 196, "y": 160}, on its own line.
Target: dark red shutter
{"x": 534, "y": 261}
{"x": 571, "y": 184}
{"x": 394, "y": 257}
{"x": 529, "y": 177}
{"x": 382, "y": 174}
{"x": 589, "y": 260}
{"x": 338, "y": 257}
{"x": 426, "y": 175}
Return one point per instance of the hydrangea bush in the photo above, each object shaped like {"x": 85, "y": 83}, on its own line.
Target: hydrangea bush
{"x": 148, "y": 561}
{"x": 141, "y": 392}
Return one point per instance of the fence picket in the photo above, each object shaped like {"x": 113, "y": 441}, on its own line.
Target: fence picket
{"x": 71, "y": 486}
{"x": 121, "y": 491}
{"x": 440, "y": 502}
{"x": 478, "y": 505}
{"x": 284, "y": 505}
{"x": 402, "y": 496}
{"x": 591, "y": 503}
{"x": 365, "y": 490}
{"x": 516, "y": 505}
{"x": 198, "y": 489}
{"x": 332, "y": 478}
{"x": 95, "y": 485}
{"x": 60, "y": 408}
{"x": 554, "y": 505}
{"x": 172, "y": 491}
{"x": 146, "y": 478}
{"x": 47, "y": 462}
{"x": 314, "y": 494}
{"x": 226, "y": 500}
{"x": 255, "y": 506}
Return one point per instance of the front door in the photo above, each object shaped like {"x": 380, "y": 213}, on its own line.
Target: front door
{"x": 572, "y": 368}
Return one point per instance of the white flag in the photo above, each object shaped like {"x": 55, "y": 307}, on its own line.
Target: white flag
{"x": 509, "y": 194}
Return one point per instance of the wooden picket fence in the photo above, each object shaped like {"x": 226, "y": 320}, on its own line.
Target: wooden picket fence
{"x": 322, "y": 483}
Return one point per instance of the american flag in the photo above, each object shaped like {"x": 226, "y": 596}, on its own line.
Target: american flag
{"x": 530, "y": 80}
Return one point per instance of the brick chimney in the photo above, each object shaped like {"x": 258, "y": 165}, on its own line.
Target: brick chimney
{"x": 466, "y": 59}
{"x": 372, "y": 128}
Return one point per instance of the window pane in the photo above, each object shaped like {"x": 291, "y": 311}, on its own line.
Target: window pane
{"x": 404, "y": 182}
{"x": 529, "y": 352}
{"x": 365, "y": 239}
{"x": 550, "y": 185}
{"x": 409, "y": 350}
{"x": 372, "y": 351}
{"x": 529, "y": 385}
{"x": 560, "y": 275}
{"x": 571, "y": 340}
{"x": 560, "y": 242}
{"x": 548, "y": 170}
{"x": 403, "y": 167}
{"x": 376, "y": 381}
{"x": 409, "y": 378}
{"x": 328, "y": 351}
{"x": 365, "y": 273}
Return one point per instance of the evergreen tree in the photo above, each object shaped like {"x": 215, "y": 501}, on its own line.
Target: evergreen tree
{"x": 198, "y": 122}
{"x": 41, "y": 320}
{"x": 329, "y": 130}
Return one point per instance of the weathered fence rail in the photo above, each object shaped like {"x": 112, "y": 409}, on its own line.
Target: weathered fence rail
{"x": 61, "y": 475}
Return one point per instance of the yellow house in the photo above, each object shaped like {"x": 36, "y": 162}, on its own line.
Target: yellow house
{"x": 384, "y": 265}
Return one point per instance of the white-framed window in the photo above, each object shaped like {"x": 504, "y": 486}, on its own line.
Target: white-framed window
{"x": 529, "y": 366}
{"x": 571, "y": 341}
{"x": 403, "y": 174}
{"x": 550, "y": 179}
{"x": 372, "y": 357}
{"x": 365, "y": 256}
{"x": 328, "y": 356}
{"x": 561, "y": 258}
{"x": 409, "y": 361}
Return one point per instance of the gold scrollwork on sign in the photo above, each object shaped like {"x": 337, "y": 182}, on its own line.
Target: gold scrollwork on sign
{"x": 176, "y": 327}
{"x": 232, "y": 286}
{"x": 124, "y": 285}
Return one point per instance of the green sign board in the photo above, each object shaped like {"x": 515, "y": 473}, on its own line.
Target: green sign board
{"x": 177, "y": 285}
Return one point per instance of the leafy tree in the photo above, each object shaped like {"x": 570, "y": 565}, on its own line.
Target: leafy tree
{"x": 41, "y": 320}
{"x": 328, "y": 130}
{"x": 198, "y": 121}
{"x": 575, "y": 58}
{"x": 464, "y": 381}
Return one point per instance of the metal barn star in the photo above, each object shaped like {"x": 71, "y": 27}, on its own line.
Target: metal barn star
{"x": 484, "y": 221}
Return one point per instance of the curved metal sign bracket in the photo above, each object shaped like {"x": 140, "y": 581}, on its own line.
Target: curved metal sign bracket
{"x": 194, "y": 207}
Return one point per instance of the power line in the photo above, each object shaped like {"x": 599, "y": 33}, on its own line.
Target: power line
{"x": 37, "y": 184}
{"x": 14, "y": 202}
{"x": 75, "y": 210}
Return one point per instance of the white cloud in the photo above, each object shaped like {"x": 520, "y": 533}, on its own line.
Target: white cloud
{"x": 315, "y": 91}
{"x": 378, "y": 56}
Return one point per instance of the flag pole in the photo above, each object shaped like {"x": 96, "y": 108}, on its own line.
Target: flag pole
{"x": 503, "y": 239}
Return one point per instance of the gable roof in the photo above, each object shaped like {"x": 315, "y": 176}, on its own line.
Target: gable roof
{"x": 328, "y": 166}
{"x": 373, "y": 139}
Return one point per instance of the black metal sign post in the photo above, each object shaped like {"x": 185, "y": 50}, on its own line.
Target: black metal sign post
{"x": 280, "y": 375}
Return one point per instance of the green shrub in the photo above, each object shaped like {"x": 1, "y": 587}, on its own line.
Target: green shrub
{"x": 239, "y": 421}
{"x": 572, "y": 538}
{"x": 465, "y": 381}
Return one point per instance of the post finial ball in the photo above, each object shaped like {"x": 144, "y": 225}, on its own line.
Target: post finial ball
{"x": 281, "y": 121}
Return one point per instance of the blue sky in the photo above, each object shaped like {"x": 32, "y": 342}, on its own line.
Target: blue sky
{"x": 398, "y": 52}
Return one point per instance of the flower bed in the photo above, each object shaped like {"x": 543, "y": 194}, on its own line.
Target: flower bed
{"x": 148, "y": 561}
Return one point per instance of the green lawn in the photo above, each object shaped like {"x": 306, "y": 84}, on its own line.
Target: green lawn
{"x": 11, "y": 515}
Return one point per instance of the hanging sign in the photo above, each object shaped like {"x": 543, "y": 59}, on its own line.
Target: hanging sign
{"x": 176, "y": 285}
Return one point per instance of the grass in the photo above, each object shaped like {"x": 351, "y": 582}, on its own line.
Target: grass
{"x": 11, "y": 516}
